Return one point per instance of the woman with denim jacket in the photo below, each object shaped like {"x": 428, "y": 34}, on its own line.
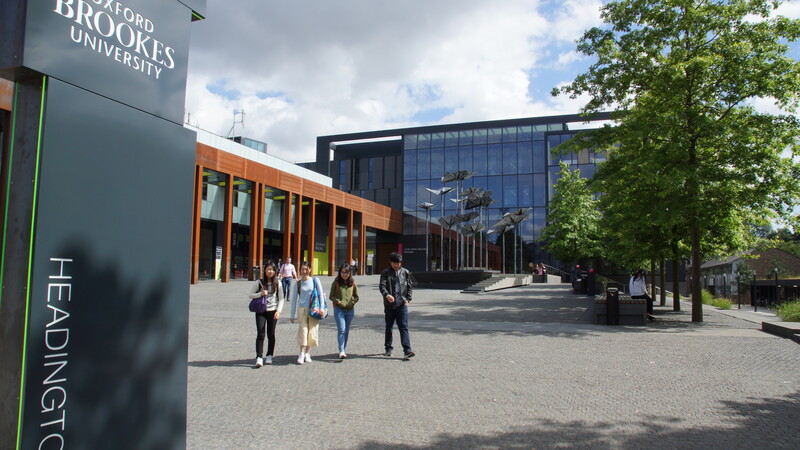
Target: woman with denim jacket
{"x": 344, "y": 295}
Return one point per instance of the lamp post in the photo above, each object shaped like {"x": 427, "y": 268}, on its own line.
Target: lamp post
{"x": 427, "y": 207}
{"x": 447, "y": 222}
{"x": 775, "y": 271}
{"x": 753, "y": 294}
{"x": 724, "y": 280}
{"x": 739, "y": 290}
{"x": 444, "y": 190}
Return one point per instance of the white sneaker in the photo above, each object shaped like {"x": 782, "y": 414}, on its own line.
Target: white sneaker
{"x": 342, "y": 355}
{"x": 268, "y": 360}
{"x": 301, "y": 359}
{"x": 259, "y": 362}
{"x": 308, "y": 357}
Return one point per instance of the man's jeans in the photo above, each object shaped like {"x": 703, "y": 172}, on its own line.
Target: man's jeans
{"x": 399, "y": 315}
{"x": 287, "y": 283}
{"x": 343, "y": 319}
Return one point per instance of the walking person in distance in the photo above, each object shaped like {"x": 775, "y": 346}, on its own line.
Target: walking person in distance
{"x": 395, "y": 287}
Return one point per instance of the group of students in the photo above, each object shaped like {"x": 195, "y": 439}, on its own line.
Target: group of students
{"x": 395, "y": 288}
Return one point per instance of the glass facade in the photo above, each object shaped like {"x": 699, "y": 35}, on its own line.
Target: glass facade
{"x": 514, "y": 162}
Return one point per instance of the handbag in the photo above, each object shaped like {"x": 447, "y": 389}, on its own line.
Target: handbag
{"x": 259, "y": 304}
{"x": 317, "y": 306}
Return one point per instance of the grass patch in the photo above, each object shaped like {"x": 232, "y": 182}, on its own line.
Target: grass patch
{"x": 789, "y": 311}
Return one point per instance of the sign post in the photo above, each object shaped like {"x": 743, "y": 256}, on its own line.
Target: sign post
{"x": 96, "y": 200}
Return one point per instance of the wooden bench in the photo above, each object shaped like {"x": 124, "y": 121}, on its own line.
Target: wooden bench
{"x": 631, "y": 311}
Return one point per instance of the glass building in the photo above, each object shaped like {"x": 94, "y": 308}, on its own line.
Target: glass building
{"x": 511, "y": 158}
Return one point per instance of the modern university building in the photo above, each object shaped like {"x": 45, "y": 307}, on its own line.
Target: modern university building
{"x": 511, "y": 158}
{"x": 359, "y": 199}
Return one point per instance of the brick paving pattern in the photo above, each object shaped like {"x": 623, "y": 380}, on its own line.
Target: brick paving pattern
{"x": 518, "y": 368}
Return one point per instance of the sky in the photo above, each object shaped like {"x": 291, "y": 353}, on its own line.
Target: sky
{"x": 305, "y": 68}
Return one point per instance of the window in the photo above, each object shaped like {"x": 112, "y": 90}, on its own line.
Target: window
{"x": 465, "y": 158}
{"x": 510, "y": 191}
{"x": 495, "y": 159}
{"x": 424, "y": 164}
{"x": 410, "y": 165}
{"x": 510, "y": 158}
{"x": 524, "y": 157}
{"x": 410, "y": 141}
{"x": 451, "y": 139}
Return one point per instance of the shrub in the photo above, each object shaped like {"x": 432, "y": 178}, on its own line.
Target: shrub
{"x": 721, "y": 303}
{"x": 789, "y": 311}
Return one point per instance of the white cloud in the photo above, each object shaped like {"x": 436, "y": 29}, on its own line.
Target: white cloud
{"x": 305, "y": 69}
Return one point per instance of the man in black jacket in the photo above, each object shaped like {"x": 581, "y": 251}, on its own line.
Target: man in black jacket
{"x": 395, "y": 287}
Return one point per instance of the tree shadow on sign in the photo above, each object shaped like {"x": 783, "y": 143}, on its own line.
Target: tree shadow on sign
{"x": 125, "y": 370}
{"x": 755, "y": 423}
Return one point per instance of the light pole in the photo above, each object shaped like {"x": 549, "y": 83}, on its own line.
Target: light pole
{"x": 447, "y": 222}
{"x": 444, "y": 190}
{"x": 427, "y": 207}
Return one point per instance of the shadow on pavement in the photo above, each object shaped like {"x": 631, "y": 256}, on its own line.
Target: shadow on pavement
{"x": 765, "y": 423}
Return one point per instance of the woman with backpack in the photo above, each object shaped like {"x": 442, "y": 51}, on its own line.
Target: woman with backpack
{"x": 308, "y": 330}
{"x": 344, "y": 295}
{"x": 266, "y": 321}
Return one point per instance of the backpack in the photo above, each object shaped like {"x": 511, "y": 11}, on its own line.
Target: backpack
{"x": 317, "y": 306}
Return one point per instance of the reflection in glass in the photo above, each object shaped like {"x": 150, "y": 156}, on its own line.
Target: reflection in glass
{"x": 539, "y": 157}
{"x": 480, "y": 136}
{"x": 465, "y": 158}
{"x": 410, "y": 165}
{"x": 437, "y": 162}
{"x": 437, "y": 139}
{"x": 495, "y": 155}
{"x": 410, "y": 141}
{"x": 495, "y": 135}
{"x": 509, "y": 158}
{"x": 525, "y": 190}
{"x": 423, "y": 140}
{"x": 465, "y": 137}
{"x": 524, "y": 157}
{"x": 450, "y": 161}
{"x": 451, "y": 139}
{"x": 510, "y": 191}
{"x": 423, "y": 165}
{"x": 480, "y": 158}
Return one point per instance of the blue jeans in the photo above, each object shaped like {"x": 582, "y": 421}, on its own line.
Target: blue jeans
{"x": 399, "y": 315}
{"x": 343, "y": 319}
{"x": 287, "y": 283}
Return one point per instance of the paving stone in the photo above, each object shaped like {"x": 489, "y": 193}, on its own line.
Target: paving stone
{"x": 522, "y": 367}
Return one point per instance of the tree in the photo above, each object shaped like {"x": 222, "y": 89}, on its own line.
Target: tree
{"x": 571, "y": 233}
{"x": 680, "y": 76}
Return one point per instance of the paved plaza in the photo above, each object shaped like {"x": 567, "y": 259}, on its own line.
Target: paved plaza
{"x": 517, "y": 368}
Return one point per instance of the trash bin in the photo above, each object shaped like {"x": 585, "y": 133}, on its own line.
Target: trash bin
{"x": 256, "y": 272}
{"x": 612, "y": 306}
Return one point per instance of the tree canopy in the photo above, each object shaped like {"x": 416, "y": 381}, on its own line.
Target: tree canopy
{"x": 571, "y": 233}
{"x": 689, "y": 156}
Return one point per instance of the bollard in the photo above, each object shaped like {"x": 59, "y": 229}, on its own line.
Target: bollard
{"x": 612, "y": 306}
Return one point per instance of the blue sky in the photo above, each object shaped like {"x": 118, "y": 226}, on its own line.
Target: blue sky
{"x": 305, "y": 69}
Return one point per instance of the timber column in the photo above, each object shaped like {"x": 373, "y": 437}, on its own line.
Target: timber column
{"x": 97, "y": 220}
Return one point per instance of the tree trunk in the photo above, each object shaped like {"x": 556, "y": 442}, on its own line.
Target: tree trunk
{"x": 653, "y": 279}
{"x": 697, "y": 287}
{"x": 662, "y": 281}
{"x": 676, "y": 285}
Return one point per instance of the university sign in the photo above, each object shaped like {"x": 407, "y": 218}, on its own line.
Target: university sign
{"x": 133, "y": 51}
{"x": 94, "y": 277}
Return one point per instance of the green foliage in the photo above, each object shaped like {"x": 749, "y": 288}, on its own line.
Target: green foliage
{"x": 689, "y": 159}
{"x": 721, "y": 303}
{"x": 789, "y": 311}
{"x": 571, "y": 233}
